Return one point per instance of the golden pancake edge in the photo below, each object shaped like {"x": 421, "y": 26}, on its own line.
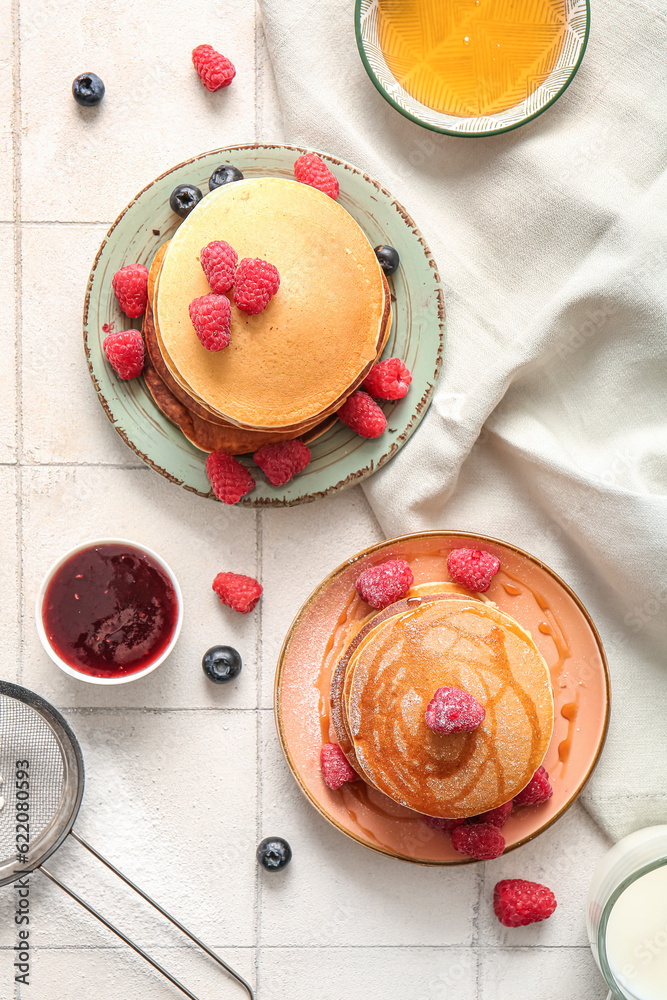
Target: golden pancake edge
{"x": 390, "y": 671}
{"x": 298, "y": 360}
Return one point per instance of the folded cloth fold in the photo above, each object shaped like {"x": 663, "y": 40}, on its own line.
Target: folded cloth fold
{"x": 549, "y": 425}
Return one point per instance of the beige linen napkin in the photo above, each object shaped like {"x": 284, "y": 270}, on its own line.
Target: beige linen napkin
{"x": 549, "y": 426}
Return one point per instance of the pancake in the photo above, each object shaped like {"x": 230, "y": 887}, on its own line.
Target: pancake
{"x": 165, "y": 366}
{"x": 243, "y": 441}
{"x": 187, "y": 395}
{"x": 340, "y": 680}
{"x": 205, "y": 431}
{"x": 399, "y": 662}
{"x": 205, "y": 435}
{"x": 300, "y": 358}
{"x": 151, "y": 338}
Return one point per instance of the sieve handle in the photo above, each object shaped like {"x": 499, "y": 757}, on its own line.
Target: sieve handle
{"x": 160, "y": 909}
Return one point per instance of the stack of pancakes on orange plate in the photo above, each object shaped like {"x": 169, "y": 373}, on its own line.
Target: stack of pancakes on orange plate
{"x": 288, "y": 369}
{"x": 387, "y": 676}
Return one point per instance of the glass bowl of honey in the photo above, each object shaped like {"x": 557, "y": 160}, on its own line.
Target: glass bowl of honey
{"x": 472, "y": 67}
{"x": 109, "y": 611}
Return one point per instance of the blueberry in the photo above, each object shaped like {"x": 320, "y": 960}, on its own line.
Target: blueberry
{"x": 184, "y": 198}
{"x": 221, "y": 664}
{"x": 224, "y": 175}
{"x": 388, "y": 258}
{"x": 274, "y": 853}
{"x": 87, "y": 89}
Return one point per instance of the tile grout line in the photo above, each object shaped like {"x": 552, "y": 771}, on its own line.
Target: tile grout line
{"x": 18, "y": 315}
{"x": 75, "y": 465}
{"x": 257, "y": 80}
{"x": 220, "y": 946}
{"x": 481, "y": 884}
{"x": 259, "y": 549}
{"x": 61, "y": 222}
{"x": 259, "y": 76}
{"x": 157, "y": 709}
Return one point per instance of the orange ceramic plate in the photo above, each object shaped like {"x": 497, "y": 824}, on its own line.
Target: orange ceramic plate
{"x": 524, "y": 588}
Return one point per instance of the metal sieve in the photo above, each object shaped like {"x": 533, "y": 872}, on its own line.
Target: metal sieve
{"x": 43, "y": 777}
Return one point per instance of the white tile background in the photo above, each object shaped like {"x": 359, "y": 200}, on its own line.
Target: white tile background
{"x": 183, "y": 779}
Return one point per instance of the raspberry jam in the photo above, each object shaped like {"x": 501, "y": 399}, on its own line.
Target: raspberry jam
{"x": 110, "y": 610}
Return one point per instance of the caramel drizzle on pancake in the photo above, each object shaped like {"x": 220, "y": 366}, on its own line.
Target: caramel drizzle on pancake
{"x": 461, "y": 774}
{"x": 338, "y": 687}
{"x": 469, "y": 742}
{"x": 362, "y": 800}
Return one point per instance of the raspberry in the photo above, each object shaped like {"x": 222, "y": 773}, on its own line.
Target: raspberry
{"x": 219, "y": 261}
{"x": 257, "y": 282}
{"x": 230, "y": 480}
{"x": 363, "y": 415}
{"x": 381, "y": 585}
{"x": 496, "y": 817}
{"x": 211, "y": 317}
{"x": 214, "y": 70}
{"x": 280, "y": 462}
{"x": 473, "y": 568}
{"x": 446, "y": 825}
{"x": 517, "y": 902}
{"x": 125, "y": 353}
{"x": 452, "y": 710}
{"x": 389, "y": 379}
{"x": 479, "y": 840}
{"x": 238, "y": 592}
{"x": 311, "y": 169}
{"x": 537, "y": 790}
{"x": 335, "y": 767}
{"x": 130, "y": 286}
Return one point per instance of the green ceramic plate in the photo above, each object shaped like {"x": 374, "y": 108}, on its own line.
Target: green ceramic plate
{"x": 577, "y": 17}
{"x": 340, "y": 458}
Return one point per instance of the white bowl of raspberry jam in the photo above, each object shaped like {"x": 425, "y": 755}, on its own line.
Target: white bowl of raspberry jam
{"x": 109, "y": 611}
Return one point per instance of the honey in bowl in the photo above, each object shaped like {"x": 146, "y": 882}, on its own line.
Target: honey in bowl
{"x": 471, "y": 57}
{"x": 110, "y": 610}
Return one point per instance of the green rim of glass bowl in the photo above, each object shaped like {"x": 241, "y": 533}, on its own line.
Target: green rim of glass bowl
{"x": 340, "y": 458}
{"x": 361, "y": 45}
